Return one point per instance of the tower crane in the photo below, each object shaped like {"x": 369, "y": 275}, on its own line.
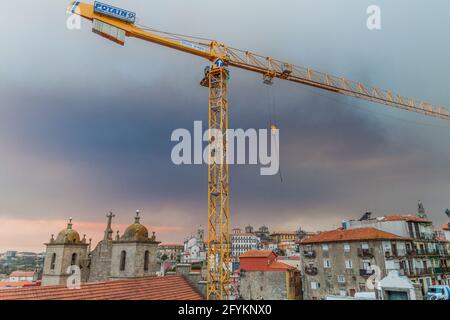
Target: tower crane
{"x": 116, "y": 24}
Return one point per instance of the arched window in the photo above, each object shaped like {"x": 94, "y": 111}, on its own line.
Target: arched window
{"x": 146, "y": 258}
{"x": 52, "y": 264}
{"x": 73, "y": 261}
{"x": 123, "y": 260}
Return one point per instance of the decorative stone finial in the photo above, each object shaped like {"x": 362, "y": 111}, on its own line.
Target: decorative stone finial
{"x": 69, "y": 225}
{"x": 137, "y": 218}
{"x": 421, "y": 210}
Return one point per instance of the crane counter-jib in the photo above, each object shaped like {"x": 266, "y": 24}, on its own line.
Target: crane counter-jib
{"x": 87, "y": 11}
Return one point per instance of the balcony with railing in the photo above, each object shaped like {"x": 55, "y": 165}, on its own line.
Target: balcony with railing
{"x": 365, "y": 252}
{"x": 423, "y": 271}
{"x": 425, "y": 252}
{"x": 390, "y": 254}
{"x": 417, "y": 272}
{"x": 310, "y": 254}
{"x": 441, "y": 270}
{"x": 366, "y": 272}
{"x": 311, "y": 271}
{"x": 427, "y": 235}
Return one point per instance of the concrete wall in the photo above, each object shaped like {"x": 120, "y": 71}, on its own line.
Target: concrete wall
{"x": 267, "y": 285}
{"x": 399, "y": 228}
{"x": 100, "y": 269}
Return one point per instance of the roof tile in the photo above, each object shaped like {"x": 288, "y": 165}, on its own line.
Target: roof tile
{"x": 257, "y": 254}
{"x": 150, "y": 288}
{"x": 351, "y": 235}
{"x": 22, "y": 274}
{"x": 405, "y": 217}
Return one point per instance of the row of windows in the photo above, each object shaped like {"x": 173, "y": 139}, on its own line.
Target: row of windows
{"x": 327, "y": 264}
{"x": 123, "y": 259}
{"x": 244, "y": 240}
{"x": 364, "y": 245}
{"x": 348, "y": 264}
{"x": 316, "y": 285}
{"x": 242, "y": 246}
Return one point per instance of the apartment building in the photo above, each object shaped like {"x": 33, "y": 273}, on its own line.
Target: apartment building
{"x": 283, "y": 236}
{"x": 340, "y": 262}
{"x": 242, "y": 242}
{"x": 427, "y": 259}
{"x": 171, "y": 252}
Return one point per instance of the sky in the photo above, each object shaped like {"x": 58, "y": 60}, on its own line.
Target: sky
{"x": 85, "y": 124}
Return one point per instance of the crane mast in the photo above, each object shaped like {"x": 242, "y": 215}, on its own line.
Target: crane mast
{"x": 218, "y": 275}
{"x": 216, "y": 78}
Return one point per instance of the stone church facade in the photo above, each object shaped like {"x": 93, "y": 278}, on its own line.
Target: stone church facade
{"x": 132, "y": 255}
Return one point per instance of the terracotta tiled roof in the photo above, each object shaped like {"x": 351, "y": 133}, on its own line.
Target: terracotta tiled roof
{"x": 446, "y": 226}
{"x": 149, "y": 288}
{"x": 170, "y": 245}
{"x": 22, "y": 274}
{"x": 407, "y": 217}
{"x": 256, "y": 254}
{"x": 351, "y": 235}
{"x": 277, "y": 265}
{"x": 254, "y": 265}
{"x": 17, "y": 284}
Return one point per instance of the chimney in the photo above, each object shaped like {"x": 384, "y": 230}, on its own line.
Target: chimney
{"x": 183, "y": 269}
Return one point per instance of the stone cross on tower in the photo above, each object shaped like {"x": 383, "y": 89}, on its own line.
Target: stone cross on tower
{"x": 108, "y": 230}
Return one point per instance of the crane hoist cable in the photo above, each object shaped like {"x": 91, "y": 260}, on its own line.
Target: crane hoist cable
{"x": 273, "y": 126}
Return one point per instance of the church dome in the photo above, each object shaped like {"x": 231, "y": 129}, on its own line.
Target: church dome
{"x": 136, "y": 231}
{"x": 68, "y": 235}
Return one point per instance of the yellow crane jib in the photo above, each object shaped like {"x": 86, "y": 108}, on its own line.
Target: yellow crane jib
{"x": 116, "y": 24}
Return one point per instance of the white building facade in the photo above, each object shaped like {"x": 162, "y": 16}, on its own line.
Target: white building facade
{"x": 242, "y": 242}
